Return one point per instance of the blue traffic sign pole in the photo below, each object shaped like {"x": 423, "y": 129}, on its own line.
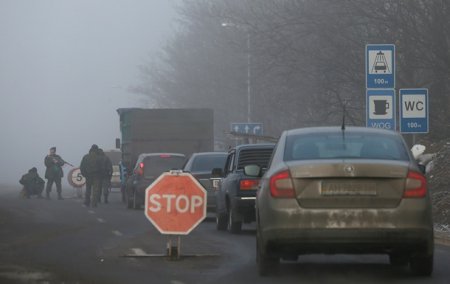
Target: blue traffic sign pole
{"x": 414, "y": 111}
{"x": 380, "y": 66}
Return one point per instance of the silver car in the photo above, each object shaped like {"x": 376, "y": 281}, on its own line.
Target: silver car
{"x": 357, "y": 190}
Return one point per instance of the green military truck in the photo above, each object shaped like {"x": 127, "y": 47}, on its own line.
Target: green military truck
{"x": 181, "y": 130}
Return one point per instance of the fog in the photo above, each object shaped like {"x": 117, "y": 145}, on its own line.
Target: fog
{"x": 65, "y": 67}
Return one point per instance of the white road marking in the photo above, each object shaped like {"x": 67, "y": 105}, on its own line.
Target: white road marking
{"x": 117, "y": 233}
{"x": 138, "y": 251}
{"x": 91, "y": 212}
{"x": 100, "y": 220}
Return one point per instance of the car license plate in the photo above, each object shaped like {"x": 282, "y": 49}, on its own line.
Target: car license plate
{"x": 348, "y": 189}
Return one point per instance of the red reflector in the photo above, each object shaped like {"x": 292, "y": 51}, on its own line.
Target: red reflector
{"x": 164, "y": 156}
{"x": 416, "y": 185}
{"x": 281, "y": 185}
{"x": 140, "y": 170}
{"x": 248, "y": 184}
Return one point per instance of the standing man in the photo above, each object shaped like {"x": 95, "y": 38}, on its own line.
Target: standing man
{"x": 54, "y": 172}
{"x": 90, "y": 168}
{"x": 107, "y": 171}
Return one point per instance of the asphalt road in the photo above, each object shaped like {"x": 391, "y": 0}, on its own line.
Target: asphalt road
{"x": 57, "y": 241}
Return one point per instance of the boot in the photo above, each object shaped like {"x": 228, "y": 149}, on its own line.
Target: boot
{"x": 60, "y": 196}
{"x": 47, "y": 196}
{"x": 106, "y": 199}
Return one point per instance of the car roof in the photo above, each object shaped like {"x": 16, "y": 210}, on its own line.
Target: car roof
{"x": 247, "y": 146}
{"x": 338, "y": 129}
{"x": 145, "y": 155}
{"x": 208, "y": 153}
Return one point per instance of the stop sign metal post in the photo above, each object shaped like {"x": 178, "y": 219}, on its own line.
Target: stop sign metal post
{"x": 175, "y": 203}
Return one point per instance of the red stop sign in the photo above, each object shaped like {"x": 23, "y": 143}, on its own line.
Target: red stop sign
{"x": 175, "y": 203}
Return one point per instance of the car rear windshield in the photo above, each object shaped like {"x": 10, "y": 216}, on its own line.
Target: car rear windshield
{"x": 348, "y": 146}
{"x": 207, "y": 163}
{"x": 154, "y": 166}
{"x": 254, "y": 156}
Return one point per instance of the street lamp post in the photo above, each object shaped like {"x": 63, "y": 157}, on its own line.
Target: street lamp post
{"x": 248, "y": 66}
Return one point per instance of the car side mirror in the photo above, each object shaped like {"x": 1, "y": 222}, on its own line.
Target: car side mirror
{"x": 252, "y": 170}
{"x": 217, "y": 172}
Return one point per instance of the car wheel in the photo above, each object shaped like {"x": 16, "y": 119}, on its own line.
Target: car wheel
{"x": 234, "y": 227}
{"x": 397, "y": 259}
{"x": 266, "y": 264}
{"x": 221, "y": 221}
{"x": 421, "y": 264}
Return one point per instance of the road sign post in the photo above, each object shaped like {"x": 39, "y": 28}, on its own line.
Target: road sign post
{"x": 380, "y": 109}
{"x": 414, "y": 111}
{"x": 76, "y": 180}
{"x": 175, "y": 203}
{"x": 380, "y": 66}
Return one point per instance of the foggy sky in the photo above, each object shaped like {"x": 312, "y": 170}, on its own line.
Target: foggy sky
{"x": 65, "y": 67}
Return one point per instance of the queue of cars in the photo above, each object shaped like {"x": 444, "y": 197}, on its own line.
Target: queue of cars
{"x": 317, "y": 190}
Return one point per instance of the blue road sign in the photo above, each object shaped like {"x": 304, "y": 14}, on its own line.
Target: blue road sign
{"x": 380, "y": 66}
{"x": 414, "y": 111}
{"x": 380, "y": 109}
{"x": 247, "y": 128}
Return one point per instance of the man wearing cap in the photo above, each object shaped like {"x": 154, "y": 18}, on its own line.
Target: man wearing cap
{"x": 54, "y": 172}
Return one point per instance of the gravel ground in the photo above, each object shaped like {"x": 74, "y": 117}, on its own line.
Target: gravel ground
{"x": 438, "y": 175}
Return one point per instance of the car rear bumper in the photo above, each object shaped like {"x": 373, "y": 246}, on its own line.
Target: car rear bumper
{"x": 355, "y": 241}
{"x": 211, "y": 201}
{"x": 284, "y": 226}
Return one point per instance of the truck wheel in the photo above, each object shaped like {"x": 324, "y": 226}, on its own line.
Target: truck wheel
{"x": 265, "y": 264}
{"x": 221, "y": 221}
{"x": 234, "y": 227}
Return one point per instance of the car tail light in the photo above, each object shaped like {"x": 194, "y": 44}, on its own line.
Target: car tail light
{"x": 281, "y": 185}
{"x": 416, "y": 185}
{"x": 164, "y": 156}
{"x": 248, "y": 184}
{"x": 140, "y": 170}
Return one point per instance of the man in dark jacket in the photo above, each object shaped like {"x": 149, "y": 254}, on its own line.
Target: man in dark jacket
{"x": 107, "y": 171}
{"x": 54, "y": 172}
{"x": 90, "y": 168}
{"x": 32, "y": 183}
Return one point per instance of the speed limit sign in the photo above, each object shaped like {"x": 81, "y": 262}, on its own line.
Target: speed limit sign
{"x": 75, "y": 178}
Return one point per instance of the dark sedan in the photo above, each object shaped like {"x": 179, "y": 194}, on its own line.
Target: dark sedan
{"x": 148, "y": 168}
{"x": 200, "y": 165}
